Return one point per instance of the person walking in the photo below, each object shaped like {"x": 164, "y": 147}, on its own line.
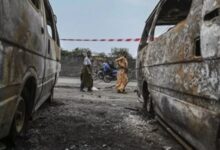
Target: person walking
{"x": 86, "y": 73}
{"x": 122, "y": 78}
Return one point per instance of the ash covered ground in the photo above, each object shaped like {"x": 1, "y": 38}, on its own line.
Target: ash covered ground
{"x": 102, "y": 120}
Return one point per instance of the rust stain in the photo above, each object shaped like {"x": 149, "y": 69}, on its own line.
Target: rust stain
{"x": 181, "y": 53}
{"x": 180, "y": 26}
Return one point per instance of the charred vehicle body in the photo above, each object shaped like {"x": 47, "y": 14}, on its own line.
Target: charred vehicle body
{"x": 179, "y": 70}
{"x": 29, "y": 61}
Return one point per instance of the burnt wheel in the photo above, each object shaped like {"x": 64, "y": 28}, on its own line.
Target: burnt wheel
{"x": 19, "y": 117}
{"x": 19, "y": 121}
{"x": 148, "y": 104}
{"x": 50, "y": 98}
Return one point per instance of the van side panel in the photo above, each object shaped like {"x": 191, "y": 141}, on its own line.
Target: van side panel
{"x": 197, "y": 125}
{"x": 8, "y": 94}
{"x": 21, "y": 27}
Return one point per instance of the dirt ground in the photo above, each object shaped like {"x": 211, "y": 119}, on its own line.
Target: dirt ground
{"x": 102, "y": 120}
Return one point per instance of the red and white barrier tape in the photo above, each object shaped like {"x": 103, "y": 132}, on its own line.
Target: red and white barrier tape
{"x": 103, "y": 40}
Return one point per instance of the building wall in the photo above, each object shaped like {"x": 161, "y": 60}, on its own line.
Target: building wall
{"x": 71, "y": 66}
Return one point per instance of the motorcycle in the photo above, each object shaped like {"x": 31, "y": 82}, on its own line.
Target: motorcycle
{"x": 107, "y": 77}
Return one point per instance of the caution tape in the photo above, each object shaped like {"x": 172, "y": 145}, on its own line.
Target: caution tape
{"x": 103, "y": 40}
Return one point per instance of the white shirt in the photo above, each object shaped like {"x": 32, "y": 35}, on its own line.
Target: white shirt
{"x": 87, "y": 61}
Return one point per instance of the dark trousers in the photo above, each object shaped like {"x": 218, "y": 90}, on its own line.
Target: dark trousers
{"x": 82, "y": 85}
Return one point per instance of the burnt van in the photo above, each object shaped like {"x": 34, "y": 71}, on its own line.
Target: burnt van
{"x": 29, "y": 61}
{"x": 178, "y": 69}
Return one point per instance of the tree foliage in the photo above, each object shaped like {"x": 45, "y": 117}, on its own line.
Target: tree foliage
{"x": 80, "y": 51}
{"x": 102, "y": 55}
{"x": 65, "y": 53}
{"x": 116, "y": 52}
{"x": 77, "y": 52}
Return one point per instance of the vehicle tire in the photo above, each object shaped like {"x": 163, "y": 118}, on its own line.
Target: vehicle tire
{"x": 107, "y": 79}
{"x": 50, "y": 98}
{"x": 19, "y": 121}
{"x": 100, "y": 75}
{"x": 148, "y": 101}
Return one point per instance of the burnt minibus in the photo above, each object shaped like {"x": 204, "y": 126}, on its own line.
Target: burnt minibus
{"x": 178, "y": 69}
{"x": 29, "y": 61}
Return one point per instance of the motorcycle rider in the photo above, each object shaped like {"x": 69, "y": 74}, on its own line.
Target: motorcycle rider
{"x": 106, "y": 68}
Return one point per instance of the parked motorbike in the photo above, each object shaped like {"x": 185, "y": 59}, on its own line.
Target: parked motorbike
{"x": 100, "y": 74}
{"x": 107, "y": 76}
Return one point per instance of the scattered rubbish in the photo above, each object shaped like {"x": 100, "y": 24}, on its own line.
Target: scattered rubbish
{"x": 154, "y": 130}
{"x": 135, "y": 91}
{"x": 167, "y": 148}
{"x": 152, "y": 121}
{"x": 86, "y": 122}
{"x": 108, "y": 87}
{"x": 133, "y": 109}
{"x": 95, "y": 89}
{"x": 114, "y": 105}
{"x": 140, "y": 99}
{"x": 72, "y": 147}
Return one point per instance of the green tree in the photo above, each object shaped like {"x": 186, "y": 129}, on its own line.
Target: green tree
{"x": 116, "y": 52}
{"x": 80, "y": 51}
{"x": 65, "y": 53}
{"x": 103, "y": 55}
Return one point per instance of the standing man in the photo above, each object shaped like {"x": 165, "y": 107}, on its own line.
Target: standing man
{"x": 122, "y": 78}
{"x": 86, "y": 74}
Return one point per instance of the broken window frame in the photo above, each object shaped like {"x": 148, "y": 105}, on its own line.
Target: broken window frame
{"x": 49, "y": 16}
{"x": 145, "y": 36}
{"x": 155, "y": 24}
{"x": 37, "y": 8}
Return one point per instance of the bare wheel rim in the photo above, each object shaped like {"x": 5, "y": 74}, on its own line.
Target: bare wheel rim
{"x": 20, "y": 115}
